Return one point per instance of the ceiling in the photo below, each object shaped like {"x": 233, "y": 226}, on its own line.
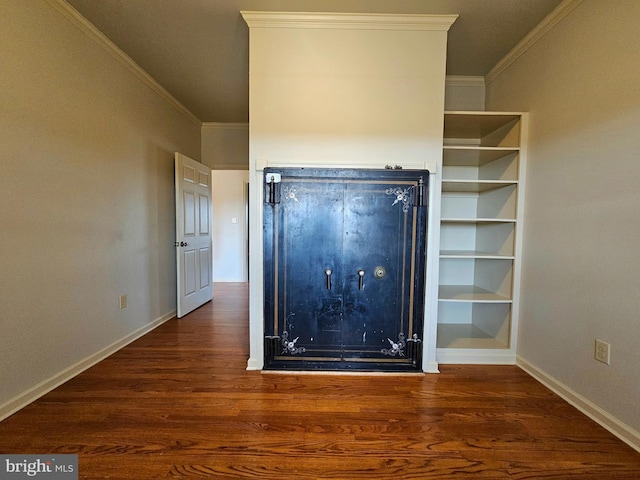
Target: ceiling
{"x": 198, "y": 50}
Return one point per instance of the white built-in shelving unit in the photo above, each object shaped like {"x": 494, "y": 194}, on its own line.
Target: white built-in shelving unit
{"x": 480, "y": 236}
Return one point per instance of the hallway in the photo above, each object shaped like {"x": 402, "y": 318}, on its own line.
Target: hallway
{"x": 178, "y": 403}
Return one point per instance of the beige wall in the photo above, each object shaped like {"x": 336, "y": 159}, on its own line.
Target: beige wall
{"x": 346, "y": 97}
{"x": 582, "y": 215}
{"x": 87, "y": 200}
{"x": 230, "y": 242}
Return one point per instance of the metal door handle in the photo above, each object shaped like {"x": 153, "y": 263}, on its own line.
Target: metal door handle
{"x": 184, "y": 244}
{"x": 328, "y": 274}
{"x": 360, "y": 279}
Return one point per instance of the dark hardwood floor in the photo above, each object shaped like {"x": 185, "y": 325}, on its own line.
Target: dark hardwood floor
{"x": 178, "y": 403}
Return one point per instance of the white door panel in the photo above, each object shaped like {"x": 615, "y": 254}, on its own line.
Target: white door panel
{"x": 189, "y": 212}
{"x": 193, "y": 234}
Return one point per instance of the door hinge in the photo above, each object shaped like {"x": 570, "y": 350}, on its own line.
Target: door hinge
{"x": 272, "y": 188}
{"x": 420, "y": 194}
{"x": 414, "y": 350}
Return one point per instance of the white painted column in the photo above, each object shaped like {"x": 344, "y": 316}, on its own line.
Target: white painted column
{"x": 344, "y": 90}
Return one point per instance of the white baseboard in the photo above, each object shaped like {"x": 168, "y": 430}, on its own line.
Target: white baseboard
{"x": 430, "y": 367}
{"x": 22, "y": 400}
{"x": 473, "y": 356}
{"x": 254, "y": 364}
{"x": 624, "y": 432}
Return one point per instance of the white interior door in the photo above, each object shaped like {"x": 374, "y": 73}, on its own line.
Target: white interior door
{"x": 193, "y": 234}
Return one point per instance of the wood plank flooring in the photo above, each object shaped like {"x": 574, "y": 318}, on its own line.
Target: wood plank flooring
{"x": 178, "y": 403}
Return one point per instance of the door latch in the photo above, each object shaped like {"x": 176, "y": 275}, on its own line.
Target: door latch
{"x": 360, "y": 279}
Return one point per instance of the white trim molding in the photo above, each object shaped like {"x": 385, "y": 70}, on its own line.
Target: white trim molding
{"x": 464, "y": 81}
{"x": 255, "y": 364}
{"x": 84, "y": 25}
{"x": 261, "y": 164}
{"x": 226, "y": 126}
{"x": 550, "y": 21}
{"x": 22, "y": 400}
{"x": 624, "y": 432}
{"x": 470, "y": 356}
{"x": 228, "y": 166}
{"x": 348, "y": 21}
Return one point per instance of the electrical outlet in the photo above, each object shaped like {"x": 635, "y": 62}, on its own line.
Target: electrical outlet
{"x": 603, "y": 352}
{"x": 123, "y": 301}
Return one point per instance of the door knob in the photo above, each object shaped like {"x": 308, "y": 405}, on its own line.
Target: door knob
{"x": 327, "y": 272}
{"x": 360, "y": 279}
{"x": 184, "y": 244}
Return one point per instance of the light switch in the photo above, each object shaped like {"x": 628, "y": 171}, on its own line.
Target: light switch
{"x": 234, "y": 220}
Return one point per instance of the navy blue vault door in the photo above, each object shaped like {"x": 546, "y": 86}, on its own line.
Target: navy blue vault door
{"x": 344, "y": 268}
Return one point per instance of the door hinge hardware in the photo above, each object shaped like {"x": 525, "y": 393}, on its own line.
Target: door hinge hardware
{"x": 272, "y": 187}
{"x": 414, "y": 339}
{"x": 397, "y": 348}
{"x": 414, "y": 349}
{"x": 271, "y": 348}
{"x": 420, "y": 197}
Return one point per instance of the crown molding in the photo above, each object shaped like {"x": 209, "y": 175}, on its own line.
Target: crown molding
{"x": 71, "y": 14}
{"x": 550, "y": 21}
{"x": 464, "y": 81}
{"x": 348, "y": 21}
{"x": 230, "y": 166}
{"x": 226, "y": 125}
